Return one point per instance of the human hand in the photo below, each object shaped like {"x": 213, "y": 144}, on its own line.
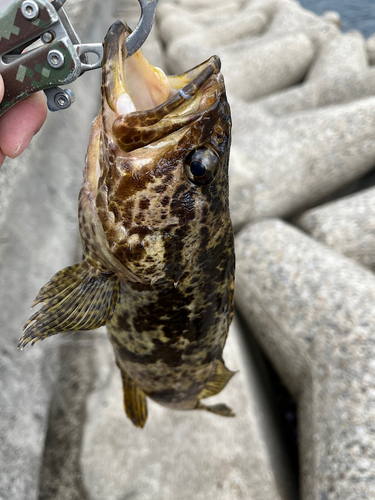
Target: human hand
{"x": 20, "y": 123}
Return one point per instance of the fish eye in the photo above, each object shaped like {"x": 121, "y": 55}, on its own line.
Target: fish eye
{"x": 201, "y": 166}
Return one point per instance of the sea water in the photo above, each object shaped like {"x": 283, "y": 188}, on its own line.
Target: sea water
{"x": 355, "y": 14}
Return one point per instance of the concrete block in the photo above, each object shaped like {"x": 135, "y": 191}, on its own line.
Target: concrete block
{"x": 214, "y": 29}
{"x": 176, "y": 25}
{"x": 289, "y": 17}
{"x": 312, "y": 310}
{"x": 345, "y": 53}
{"x": 175, "y": 21}
{"x": 60, "y": 476}
{"x": 370, "y": 47}
{"x": 333, "y": 17}
{"x": 184, "y": 455}
{"x": 281, "y": 166}
{"x": 328, "y": 91}
{"x": 346, "y": 225}
{"x": 202, "y": 4}
{"x": 273, "y": 65}
{"x": 243, "y": 40}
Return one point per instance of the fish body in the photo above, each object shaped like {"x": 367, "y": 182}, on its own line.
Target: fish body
{"x": 156, "y": 232}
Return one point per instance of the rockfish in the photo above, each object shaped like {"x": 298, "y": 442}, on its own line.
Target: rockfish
{"x": 158, "y": 265}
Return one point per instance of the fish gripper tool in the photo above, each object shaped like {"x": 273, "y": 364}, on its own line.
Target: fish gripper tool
{"x": 40, "y": 50}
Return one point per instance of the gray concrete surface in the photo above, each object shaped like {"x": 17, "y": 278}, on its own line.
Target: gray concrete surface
{"x": 346, "y": 225}
{"x": 287, "y": 17}
{"x": 328, "y": 91}
{"x": 312, "y": 310}
{"x": 273, "y": 63}
{"x": 185, "y": 455}
{"x": 38, "y": 231}
{"x": 282, "y": 165}
{"x": 343, "y": 54}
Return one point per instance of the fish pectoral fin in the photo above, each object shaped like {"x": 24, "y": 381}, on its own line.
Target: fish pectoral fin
{"x": 78, "y": 297}
{"x": 134, "y": 401}
{"x": 217, "y": 382}
{"x": 218, "y": 409}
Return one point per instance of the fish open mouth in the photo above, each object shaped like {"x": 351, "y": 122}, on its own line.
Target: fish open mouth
{"x": 147, "y": 104}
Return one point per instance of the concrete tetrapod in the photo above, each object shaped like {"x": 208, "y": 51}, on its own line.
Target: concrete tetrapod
{"x": 328, "y": 91}
{"x": 273, "y": 64}
{"x": 223, "y": 25}
{"x": 280, "y": 166}
{"x": 346, "y": 225}
{"x": 313, "y": 312}
{"x": 343, "y": 54}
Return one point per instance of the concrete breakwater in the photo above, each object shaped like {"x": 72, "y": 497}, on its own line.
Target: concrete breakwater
{"x": 302, "y": 201}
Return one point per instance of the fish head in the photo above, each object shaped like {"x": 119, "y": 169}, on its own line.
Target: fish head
{"x": 157, "y": 166}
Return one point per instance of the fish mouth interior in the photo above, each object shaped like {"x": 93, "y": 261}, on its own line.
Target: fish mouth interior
{"x": 146, "y": 87}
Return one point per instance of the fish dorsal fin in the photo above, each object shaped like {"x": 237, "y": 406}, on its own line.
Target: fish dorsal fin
{"x": 217, "y": 382}
{"x": 78, "y": 297}
{"x": 134, "y": 401}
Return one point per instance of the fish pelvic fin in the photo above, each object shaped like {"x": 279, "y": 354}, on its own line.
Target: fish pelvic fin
{"x": 78, "y": 297}
{"x": 218, "y": 380}
{"x": 219, "y": 409}
{"x": 134, "y": 401}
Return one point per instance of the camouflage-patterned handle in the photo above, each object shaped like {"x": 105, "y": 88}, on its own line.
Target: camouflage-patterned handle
{"x": 32, "y": 71}
{"x": 15, "y": 29}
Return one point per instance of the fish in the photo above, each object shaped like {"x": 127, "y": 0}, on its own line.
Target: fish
{"x": 158, "y": 246}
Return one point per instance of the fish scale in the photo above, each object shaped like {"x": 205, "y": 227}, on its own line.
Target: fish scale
{"x": 157, "y": 237}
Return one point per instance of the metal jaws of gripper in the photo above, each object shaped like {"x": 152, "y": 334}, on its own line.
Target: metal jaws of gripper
{"x": 60, "y": 59}
{"x": 61, "y": 99}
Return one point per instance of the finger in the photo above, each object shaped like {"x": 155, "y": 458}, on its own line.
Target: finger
{"x": 20, "y": 123}
{"x": 1, "y": 88}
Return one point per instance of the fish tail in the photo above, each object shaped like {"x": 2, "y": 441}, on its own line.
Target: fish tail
{"x": 78, "y": 297}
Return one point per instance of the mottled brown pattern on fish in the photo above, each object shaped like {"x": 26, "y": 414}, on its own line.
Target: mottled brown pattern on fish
{"x": 178, "y": 237}
{"x": 157, "y": 239}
